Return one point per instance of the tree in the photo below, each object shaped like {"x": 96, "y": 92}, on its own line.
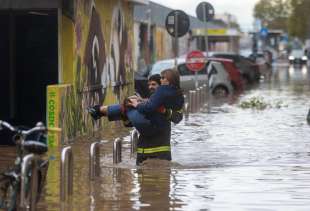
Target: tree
{"x": 299, "y": 21}
{"x": 273, "y": 13}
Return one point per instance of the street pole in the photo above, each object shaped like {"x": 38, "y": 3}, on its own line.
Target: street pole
{"x": 176, "y": 43}
{"x": 149, "y": 28}
{"x": 230, "y": 34}
{"x": 207, "y": 49}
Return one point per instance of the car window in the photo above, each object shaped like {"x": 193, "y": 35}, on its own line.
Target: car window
{"x": 297, "y": 53}
{"x": 144, "y": 71}
{"x": 160, "y": 66}
{"x": 203, "y": 71}
{"x": 219, "y": 67}
{"x": 212, "y": 68}
{"x": 183, "y": 70}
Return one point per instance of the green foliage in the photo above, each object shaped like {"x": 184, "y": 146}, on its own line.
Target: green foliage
{"x": 273, "y": 13}
{"x": 260, "y": 104}
{"x": 299, "y": 21}
{"x": 289, "y": 15}
{"x": 255, "y": 103}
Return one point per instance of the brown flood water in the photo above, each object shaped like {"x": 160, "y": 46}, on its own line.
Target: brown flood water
{"x": 229, "y": 159}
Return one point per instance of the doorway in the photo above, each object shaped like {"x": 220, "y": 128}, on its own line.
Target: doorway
{"x": 28, "y": 63}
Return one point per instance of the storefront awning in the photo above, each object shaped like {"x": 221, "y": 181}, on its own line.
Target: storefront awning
{"x": 143, "y": 2}
{"x": 29, "y": 4}
{"x": 216, "y": 32}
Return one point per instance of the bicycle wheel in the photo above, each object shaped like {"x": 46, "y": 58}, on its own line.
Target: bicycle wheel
{"x": 9, "y": 194}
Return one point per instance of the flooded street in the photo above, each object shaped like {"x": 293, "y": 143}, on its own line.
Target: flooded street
{"x": 229, "y": 159}
{"x": 244, "y": 67}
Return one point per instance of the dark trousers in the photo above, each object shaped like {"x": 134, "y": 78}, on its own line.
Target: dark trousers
{"x": 138, "y": 120}
{"x": 161, "y": 156}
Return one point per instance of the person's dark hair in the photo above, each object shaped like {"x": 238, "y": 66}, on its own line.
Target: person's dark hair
{"x": 173, "y": 77}
{"x": 155, "y": 78}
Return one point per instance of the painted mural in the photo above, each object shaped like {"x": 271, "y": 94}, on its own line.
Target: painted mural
{"x": 102, "y": 68}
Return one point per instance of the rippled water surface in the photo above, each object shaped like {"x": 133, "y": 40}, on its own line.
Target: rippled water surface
{"x": 228, "y": 159}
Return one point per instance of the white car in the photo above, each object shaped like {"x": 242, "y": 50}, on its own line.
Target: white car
{"x": 187, "y": 77}
{"x": 219, "y": 81}
{"x": 297, "y": 56}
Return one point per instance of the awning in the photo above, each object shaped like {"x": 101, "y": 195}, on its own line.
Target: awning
{"x": 216, "y": 32}
{"x": 29, "y": 4}
{"x": 143, "y": 2}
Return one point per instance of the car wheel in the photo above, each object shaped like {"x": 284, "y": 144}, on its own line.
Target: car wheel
{"x": 220, "y": 91}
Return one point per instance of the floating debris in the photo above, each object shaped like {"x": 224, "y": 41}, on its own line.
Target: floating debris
{"x": 255, "y": 103}
{"x": 260, "y": 104}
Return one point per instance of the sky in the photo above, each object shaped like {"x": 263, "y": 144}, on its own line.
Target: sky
{"x": 242, "y": 9}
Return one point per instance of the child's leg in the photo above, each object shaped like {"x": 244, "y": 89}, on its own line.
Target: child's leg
{"x": 142, "y": 124}
{"x": 114, "y": 112}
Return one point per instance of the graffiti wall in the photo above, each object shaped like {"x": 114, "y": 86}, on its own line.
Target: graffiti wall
{"x": 96, "y": 59}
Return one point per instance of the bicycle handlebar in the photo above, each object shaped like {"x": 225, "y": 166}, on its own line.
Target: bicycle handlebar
{"x": 23, "y": 132}
{"x": 34, "y": 129}
{"x": 7, "y": 125}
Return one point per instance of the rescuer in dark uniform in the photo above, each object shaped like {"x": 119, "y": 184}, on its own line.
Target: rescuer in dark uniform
{"x": 164, "y": 105}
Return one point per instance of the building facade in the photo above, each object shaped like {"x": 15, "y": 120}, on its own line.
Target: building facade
{"x": 153, "y": 42}
{"x": 59, "y": 57}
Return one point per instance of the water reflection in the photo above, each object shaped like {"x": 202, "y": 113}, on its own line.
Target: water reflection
{"x": 244, "y": 188}
{"x": 228, "y": 159}
{"x": 154, "y": 189}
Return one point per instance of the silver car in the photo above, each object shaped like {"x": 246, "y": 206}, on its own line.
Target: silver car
{"x": 219, "y": 81}
{"x": 187, "y": 77}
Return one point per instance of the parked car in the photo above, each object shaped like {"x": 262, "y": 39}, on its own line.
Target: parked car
{"x": 297, "y": 56}
{"x": 264, "y": 62}
{"x": 233, "y": 72}
{"x": 219, "y": 81}
{"x": 224, "y": 76}
{"x": 187, "y": 77}
{"x": 258, "y": 57}
{"x": 248, "y": 69}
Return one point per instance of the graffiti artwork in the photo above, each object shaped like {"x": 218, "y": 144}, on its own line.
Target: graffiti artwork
{"x": 94, "y": 60}
{"x": 102, "y": 59}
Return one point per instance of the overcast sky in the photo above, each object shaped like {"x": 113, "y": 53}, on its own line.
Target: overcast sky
{"x": 242, "y": 9}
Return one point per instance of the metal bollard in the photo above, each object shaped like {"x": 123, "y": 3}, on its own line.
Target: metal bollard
{"x": 200, "y": 98}
{"x": 186, "y": 105}
{"x": 94, "y": 160}
{"x": 198, "y": 103}
{"x": 185, "y": 99}
{"x": 197, "y": 99}
{"x": 66, "y": 174}
{"x": 29, "y": 161}
{"x": 134, "y": 136}
{"x": 204, "y": 94}
{"x": 186, "y": 110}
{"x": 191, "y": 101}
{"x": 117, "y": 151}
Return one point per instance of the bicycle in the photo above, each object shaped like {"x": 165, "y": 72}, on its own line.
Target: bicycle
{"x": 21, "y": 186}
